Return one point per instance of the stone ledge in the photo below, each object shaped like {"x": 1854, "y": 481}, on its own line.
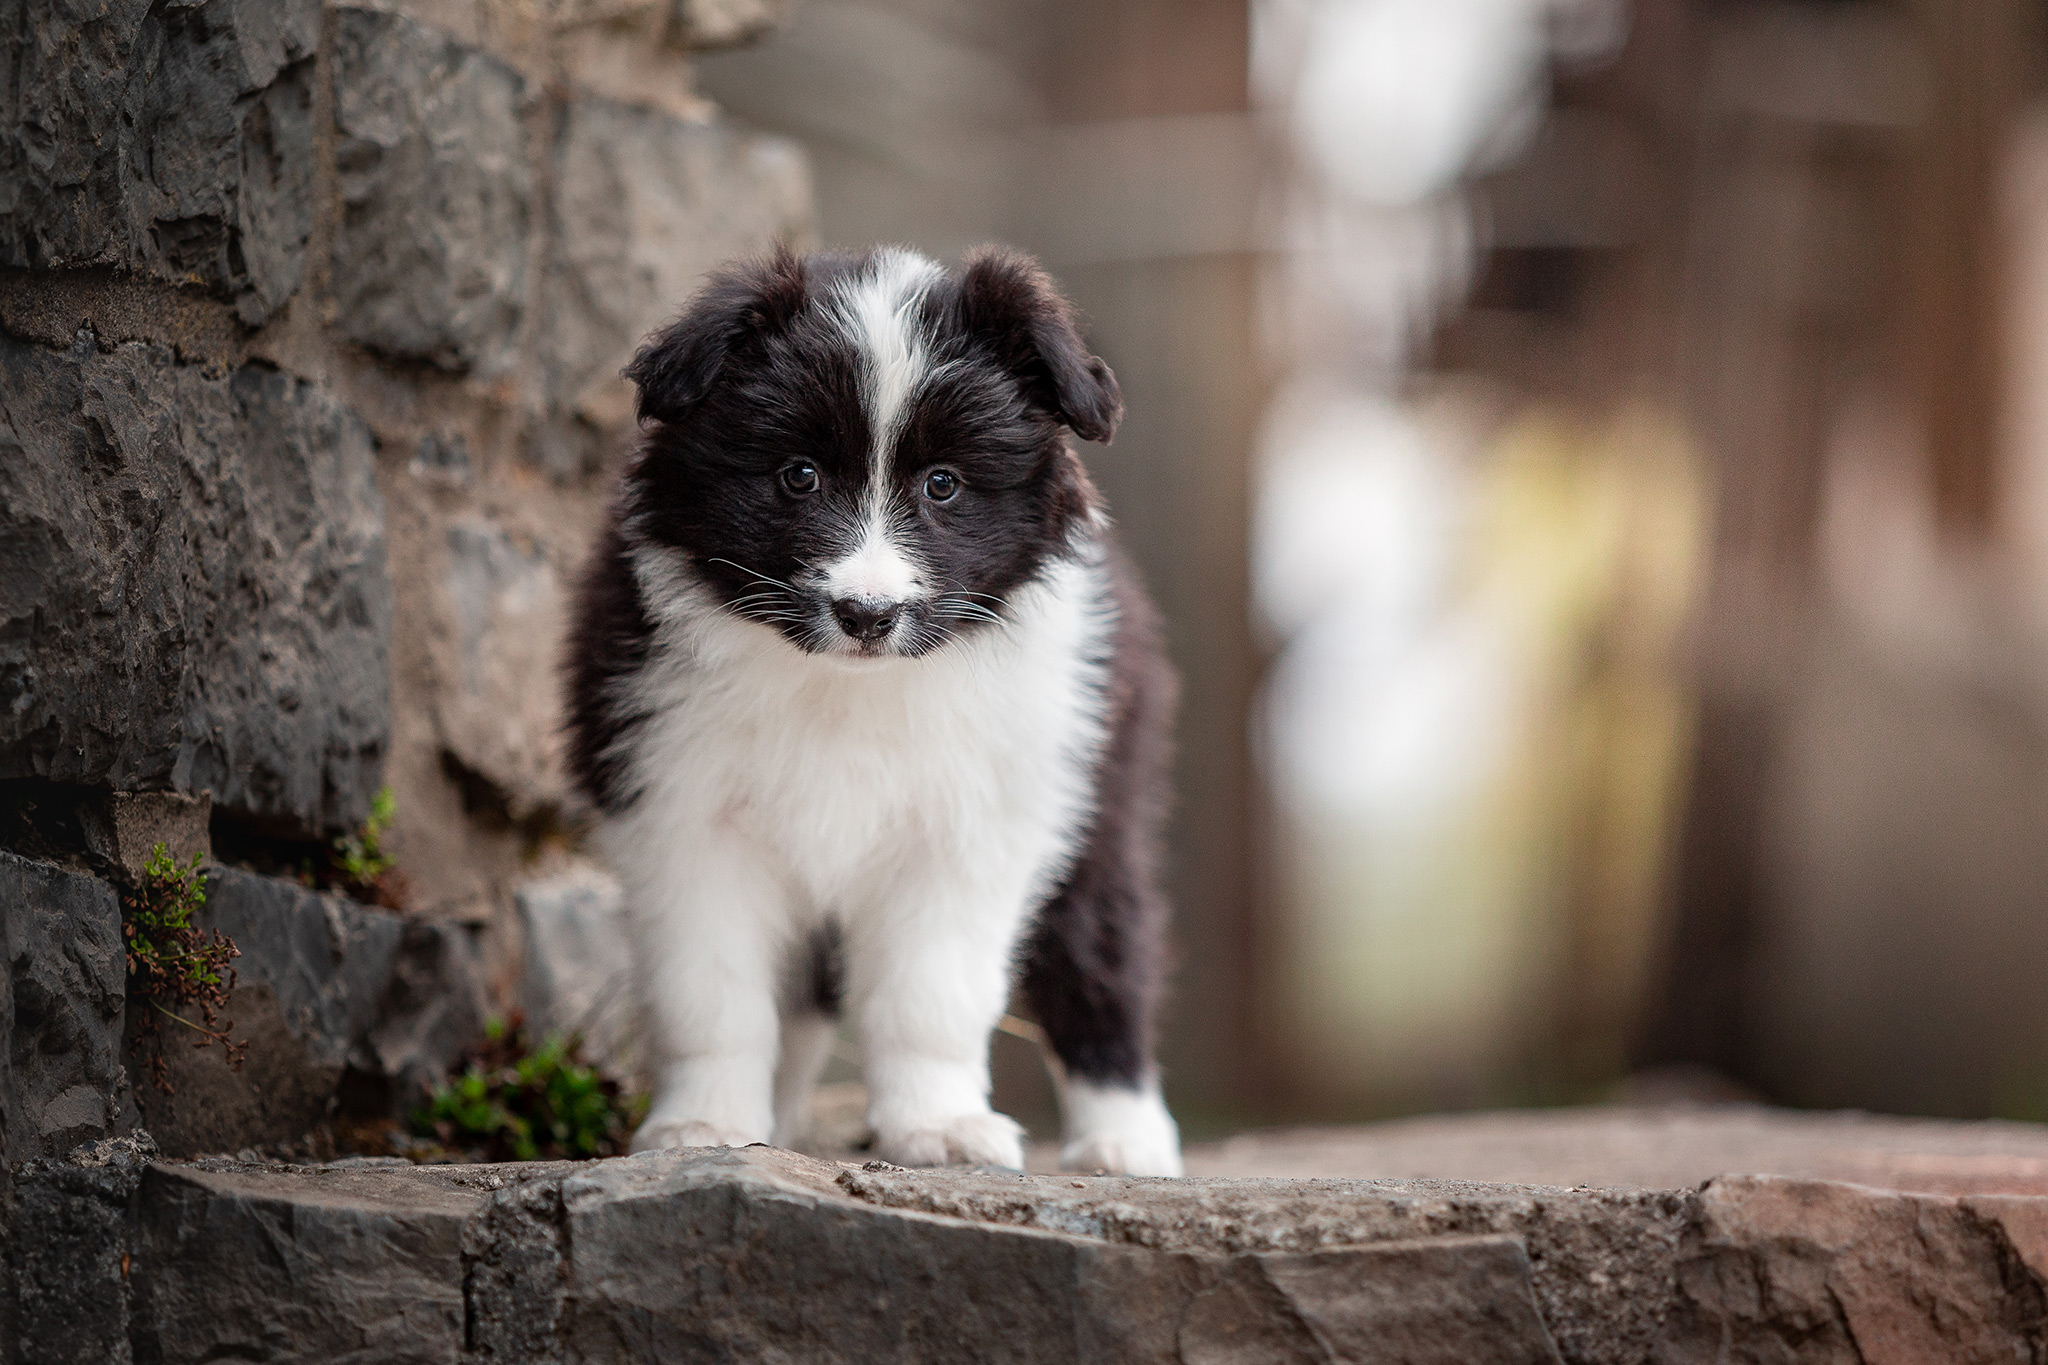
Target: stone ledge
{"x": 762, "y": 1254}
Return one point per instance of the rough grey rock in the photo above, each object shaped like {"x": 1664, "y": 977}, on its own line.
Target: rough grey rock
{"x": 759, "y": 1255}
{"x": 192, "y": 584}
{"x": 170, "y": 139}
{"x": 645, "y": 205}
{"x": 61, "y": 997}
{"x": 514, "y": 1254}
{"x": 436, "y": 192}
{"x": 706, "y": 24}
{"x": 329, "y": 991}
{"x": 339, "y": 1265}
{"x": 763, "y": 1255}
{"x": 432, "y": 1011}
{"x": 65, "y": 1255}
{"x": 509, "y": 610}
{"x": 312, "y": 971}
{"x": 122, "y": 829}
{"x": 578, "y": 963}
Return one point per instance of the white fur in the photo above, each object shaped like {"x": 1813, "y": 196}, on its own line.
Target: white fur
{"x": 877, "y": 568}
{"x": 877, "y": 311}
{"x": 1108, "y": 1128}
{"x": 924, "y": 805}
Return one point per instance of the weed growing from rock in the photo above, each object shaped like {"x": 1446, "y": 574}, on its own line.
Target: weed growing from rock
{"x": 517, "y": 1102}
{"x": 175, "y": 969}
{"x": 360, "y": 866}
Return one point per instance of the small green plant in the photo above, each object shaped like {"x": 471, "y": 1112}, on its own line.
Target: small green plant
{"x": 517, "y": 1102}
{"x": 360, "y": 866}
{"x": 175, "y": 969}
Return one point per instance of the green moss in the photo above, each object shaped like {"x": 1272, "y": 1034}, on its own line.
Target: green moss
{"x": 517, "y": 1102}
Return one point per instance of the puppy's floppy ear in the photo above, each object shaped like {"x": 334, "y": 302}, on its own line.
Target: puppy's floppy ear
{"x": 740, "y": 304}
{"x": 1008, "y": 301}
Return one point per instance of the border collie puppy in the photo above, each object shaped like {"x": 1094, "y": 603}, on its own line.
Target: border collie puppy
{"x": 875, "y": 714}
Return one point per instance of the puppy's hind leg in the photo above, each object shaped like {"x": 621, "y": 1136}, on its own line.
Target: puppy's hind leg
{"x": 1096, "y": 960}
{"x": 806, "y": 1046}
{"x": 1092, "y": 972}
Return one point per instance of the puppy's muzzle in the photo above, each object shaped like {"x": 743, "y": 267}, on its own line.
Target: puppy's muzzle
{"x": 866, "y": 619}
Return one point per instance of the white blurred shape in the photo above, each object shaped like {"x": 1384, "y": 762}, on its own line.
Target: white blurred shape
{"x": 1397, "y": 98}
{"x": 1389, "y": 734}
{"x": 1356, "y": 508}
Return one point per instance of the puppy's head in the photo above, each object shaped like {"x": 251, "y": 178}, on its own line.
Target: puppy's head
{"x": 866, "y": 453}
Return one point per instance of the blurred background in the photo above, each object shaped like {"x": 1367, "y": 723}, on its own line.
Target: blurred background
{"x": 1593, "y": 456}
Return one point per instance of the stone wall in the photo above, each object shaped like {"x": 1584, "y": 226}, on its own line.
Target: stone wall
{"x": 311, "y": 319}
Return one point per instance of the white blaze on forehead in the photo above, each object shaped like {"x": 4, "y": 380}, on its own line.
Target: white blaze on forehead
{"x": 878, "y": 310}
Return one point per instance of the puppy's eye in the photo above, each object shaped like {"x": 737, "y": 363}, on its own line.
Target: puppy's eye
{"x": 800, "y": 479}
{"x": 941, "y": 484}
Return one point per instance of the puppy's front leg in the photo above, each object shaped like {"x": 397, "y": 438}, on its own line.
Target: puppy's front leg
{"x": 711, "y": 921}
{"x": 929, "y": 980}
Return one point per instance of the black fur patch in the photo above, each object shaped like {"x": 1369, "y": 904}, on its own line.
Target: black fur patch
{"x": 1095, "y": 964}
{"x": 608, "y": 643}
{"x": 817, "y": 983}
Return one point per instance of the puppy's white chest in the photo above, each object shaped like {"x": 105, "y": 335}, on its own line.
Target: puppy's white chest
{"x": 843, "y": 787}
{"x": 851, "y": 779}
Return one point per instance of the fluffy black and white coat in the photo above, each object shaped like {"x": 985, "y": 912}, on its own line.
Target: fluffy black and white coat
{"x": 874, "y": 712}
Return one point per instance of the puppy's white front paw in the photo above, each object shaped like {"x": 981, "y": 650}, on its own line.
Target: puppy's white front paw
{"x": 1123, "y": 1132}
{"x": 656, "y": 1134}
{"x": 983, "y": 1139}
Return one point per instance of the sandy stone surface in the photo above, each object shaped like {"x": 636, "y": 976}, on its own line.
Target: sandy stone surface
{"x": 1674, "y": 1147}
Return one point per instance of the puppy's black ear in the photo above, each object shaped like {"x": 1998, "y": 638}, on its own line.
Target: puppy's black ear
{"x": 740, "y": 305}
{"x": 1006, "y": 299}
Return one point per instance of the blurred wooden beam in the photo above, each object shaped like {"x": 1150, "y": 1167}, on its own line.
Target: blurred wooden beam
{"x": 1982, "y": 60}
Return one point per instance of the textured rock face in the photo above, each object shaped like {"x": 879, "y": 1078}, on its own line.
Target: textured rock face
{"x": 579, "y": 962}
{"x": 63, "y": 983}
{"x": 330, "y": 995}
{"x": 761, "y": 1237}
{"x": 66, "y": 1252}
{"x": 432, "y": 1010}
{"x": 366, "y": 1269}
{"x": 175, "y": 140}
{"x": 326, "y": 988}
{"x": 724, "y": 23}
{"x": 122, "y": 830}
{"x": 311, "y": 973}
{"x": 763, "y": 1255}
{"x": 499, "y": 715}
{"x": 1815, "y": 1271}
{"x": 436, "y": 193}
{"x": 645, "y": 205}
{"x": 192, "y": 584}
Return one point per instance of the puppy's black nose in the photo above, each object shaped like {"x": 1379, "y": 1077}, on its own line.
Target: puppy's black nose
{"x": 866, "y": 618}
